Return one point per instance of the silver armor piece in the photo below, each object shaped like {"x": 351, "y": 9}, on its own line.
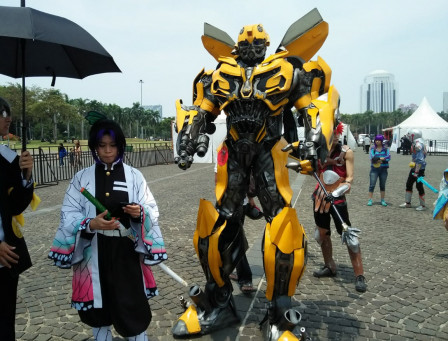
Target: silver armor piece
{"x": 422, "y": 200}
{"x": 330, "y": 177}
{"x": 350, "y": 237}
{"x": 408, "y": 197}
{"x": 340, "y": 190}
{"x": 415, "y": 134}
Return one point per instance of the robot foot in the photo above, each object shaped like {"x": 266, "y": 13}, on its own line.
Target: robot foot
{"x": 197, "y": 321}
{"x": 284, "y": 328}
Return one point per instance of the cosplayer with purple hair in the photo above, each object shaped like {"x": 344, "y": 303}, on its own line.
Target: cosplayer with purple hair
{"x": 113, "y": 292}
{"x": 379, "y": 164}
{"x": 106, "y": 127}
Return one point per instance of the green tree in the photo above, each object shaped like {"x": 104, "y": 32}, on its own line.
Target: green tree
{"x": 52, "y": 106}
{"x": 164, "y": 128}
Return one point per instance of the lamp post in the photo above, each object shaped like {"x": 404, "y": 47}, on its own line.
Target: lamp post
{"x": 141, "y": 92}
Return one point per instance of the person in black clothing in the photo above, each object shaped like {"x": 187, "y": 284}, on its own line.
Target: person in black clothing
{"x": 406, "y": 145}
{"x": 16, "y": 193}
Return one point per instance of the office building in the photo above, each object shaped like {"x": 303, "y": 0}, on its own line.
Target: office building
{"x": 157, "y": 107}
{"x": 445, "y": 102}
{"x": 379, "y": 92}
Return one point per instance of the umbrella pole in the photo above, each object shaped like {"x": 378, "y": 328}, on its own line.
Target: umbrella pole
{"x": 23, "y": 97}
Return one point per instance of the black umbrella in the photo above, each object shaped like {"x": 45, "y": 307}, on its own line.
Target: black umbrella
{"x": 34, "y": 43}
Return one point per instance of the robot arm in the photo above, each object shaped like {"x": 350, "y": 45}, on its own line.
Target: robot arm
{"x": 193, "y": 123}
{"x": 318, "y": 107}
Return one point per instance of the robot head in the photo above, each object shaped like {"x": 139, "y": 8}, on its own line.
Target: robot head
{"x": 414, "y": 134}
{"x": 252, "y": 43}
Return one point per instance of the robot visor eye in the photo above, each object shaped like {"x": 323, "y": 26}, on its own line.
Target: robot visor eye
{"x": 243, "y": 43}
{"x": 259, "y": 42}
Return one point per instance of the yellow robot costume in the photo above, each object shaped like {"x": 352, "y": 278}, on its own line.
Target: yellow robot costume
{"x": 257, "y": 95}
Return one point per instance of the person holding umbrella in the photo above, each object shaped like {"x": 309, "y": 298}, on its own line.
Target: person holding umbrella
{"x": 111, "y": 257}
{"x": 16, "y": 193}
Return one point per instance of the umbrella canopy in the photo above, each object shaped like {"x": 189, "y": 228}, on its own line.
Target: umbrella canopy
{"x": 34, "y": 43}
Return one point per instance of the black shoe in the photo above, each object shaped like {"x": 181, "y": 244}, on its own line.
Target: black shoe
{"x": 360, "y": 284}
{"x": 253, "y": 212}
{"x": 324, "y": 272}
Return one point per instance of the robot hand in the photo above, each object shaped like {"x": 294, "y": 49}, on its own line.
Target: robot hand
{"x": 186, "y": 149}
{"x": 309, "y": 153}
{"x": 302, "y": 165}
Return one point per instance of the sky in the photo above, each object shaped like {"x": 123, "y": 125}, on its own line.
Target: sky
{"x": 159, "y": 42}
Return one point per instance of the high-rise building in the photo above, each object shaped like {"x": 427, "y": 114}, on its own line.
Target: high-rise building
{"x": 379, "y": 92}
{"x": 157, "y": 107}
{"x": 445, "y": 102}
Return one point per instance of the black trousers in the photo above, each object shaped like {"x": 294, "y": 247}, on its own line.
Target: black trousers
{"x": 412, "y": 179}
{"x": 8, "y": 297}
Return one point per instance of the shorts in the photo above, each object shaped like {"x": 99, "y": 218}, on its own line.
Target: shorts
{"x": 323, "y": 220}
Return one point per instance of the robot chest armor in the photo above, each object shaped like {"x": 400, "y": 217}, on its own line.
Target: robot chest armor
{"x": 269, "y": 83}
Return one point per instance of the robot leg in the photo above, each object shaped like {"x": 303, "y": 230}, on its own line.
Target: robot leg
{"x": 213, "y": 308}
{"x": 284, "y": 256}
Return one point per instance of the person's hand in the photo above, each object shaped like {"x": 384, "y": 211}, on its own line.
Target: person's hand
{"x": 26, "y": 163}
{"x": 7, "y": 256}
{"x": 133, "y": 210}
{"x": 330, "y": 162}
{"x": 99, "y": 223}
{"x": 322, "y": 202}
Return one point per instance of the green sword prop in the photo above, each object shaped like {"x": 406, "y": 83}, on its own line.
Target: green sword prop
{"x": 95, "y": 202}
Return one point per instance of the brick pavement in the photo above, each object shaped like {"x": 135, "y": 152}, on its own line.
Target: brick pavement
{"x": 404, "y": 253}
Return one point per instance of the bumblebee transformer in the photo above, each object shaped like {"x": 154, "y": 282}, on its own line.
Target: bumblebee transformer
{"x": 257, "y": 94}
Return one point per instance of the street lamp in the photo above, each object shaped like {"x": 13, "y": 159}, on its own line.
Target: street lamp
{"x": 141, "y": 93}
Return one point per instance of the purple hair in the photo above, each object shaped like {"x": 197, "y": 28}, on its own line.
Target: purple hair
{"x": 106, "y": 127}
{"x": 379, "y": 138}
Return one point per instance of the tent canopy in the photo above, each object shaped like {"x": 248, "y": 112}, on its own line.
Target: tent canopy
{"x": 432, "y": 126}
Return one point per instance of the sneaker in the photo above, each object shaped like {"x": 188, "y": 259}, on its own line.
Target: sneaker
{"x": 360, "y": 284}
{"x": 324, "y": 272}
{"x": 405, "y": 205}
{"x": 384, "y": 203}
{"x": 421, "y": 208}
{"x": 370, "y": 202}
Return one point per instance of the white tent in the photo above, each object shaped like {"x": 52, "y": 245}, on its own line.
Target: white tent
{"x": 432, "y": 126}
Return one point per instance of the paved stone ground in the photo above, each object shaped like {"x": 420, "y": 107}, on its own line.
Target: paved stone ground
{"x": 404, "y": 252}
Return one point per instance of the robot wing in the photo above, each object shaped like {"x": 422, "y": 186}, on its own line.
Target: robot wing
{"x": 217, "y": 42}
{"x": 305, "y": 37}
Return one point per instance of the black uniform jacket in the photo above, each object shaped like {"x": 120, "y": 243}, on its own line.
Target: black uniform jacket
{"x": 13, "y": 204}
